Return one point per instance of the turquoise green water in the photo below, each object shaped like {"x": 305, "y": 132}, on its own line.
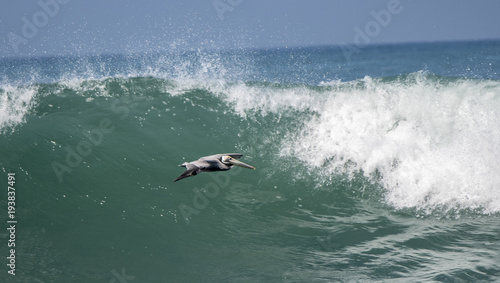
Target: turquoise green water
{"x": 372, "y": 179}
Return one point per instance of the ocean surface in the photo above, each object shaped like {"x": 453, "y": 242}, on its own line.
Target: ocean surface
{"x": 381, "y": 165}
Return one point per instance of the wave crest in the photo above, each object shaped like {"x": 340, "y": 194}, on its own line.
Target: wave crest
{"x": 429, "y": 144}
{"x": 429, "y": 141}
{"x": 15, "y": 103}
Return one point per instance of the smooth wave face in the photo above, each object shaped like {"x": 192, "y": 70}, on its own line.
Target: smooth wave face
{"x": 360, "y": 176}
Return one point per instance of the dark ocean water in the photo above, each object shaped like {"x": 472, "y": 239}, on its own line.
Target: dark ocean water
{"x": 382, "y": 166}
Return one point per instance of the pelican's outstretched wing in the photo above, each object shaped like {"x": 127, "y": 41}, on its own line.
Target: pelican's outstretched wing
{"x": 218, "y": 156}
{"x": 191, "y": 170}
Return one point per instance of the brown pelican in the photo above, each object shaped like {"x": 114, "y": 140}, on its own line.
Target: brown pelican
{"x": 216, "y": 162}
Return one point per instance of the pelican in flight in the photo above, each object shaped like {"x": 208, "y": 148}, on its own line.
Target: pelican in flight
{"x": 216, "y": 162}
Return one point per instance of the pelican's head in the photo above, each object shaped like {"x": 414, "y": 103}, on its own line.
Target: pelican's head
{"x": 228, "y": 160}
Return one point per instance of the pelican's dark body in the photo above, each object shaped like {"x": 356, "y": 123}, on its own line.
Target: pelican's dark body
{"x": 211, "y": 163}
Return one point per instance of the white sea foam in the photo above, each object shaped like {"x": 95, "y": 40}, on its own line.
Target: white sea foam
{"x": 430, "y": 144}
{"x": 269, "y": 99}
{"x": 15, "y": 103}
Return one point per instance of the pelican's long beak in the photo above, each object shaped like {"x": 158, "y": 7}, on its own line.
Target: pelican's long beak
{"x": 239, "y": 163}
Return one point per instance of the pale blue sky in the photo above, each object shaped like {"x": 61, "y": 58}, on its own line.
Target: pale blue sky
{"x": 28, "y": 28}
